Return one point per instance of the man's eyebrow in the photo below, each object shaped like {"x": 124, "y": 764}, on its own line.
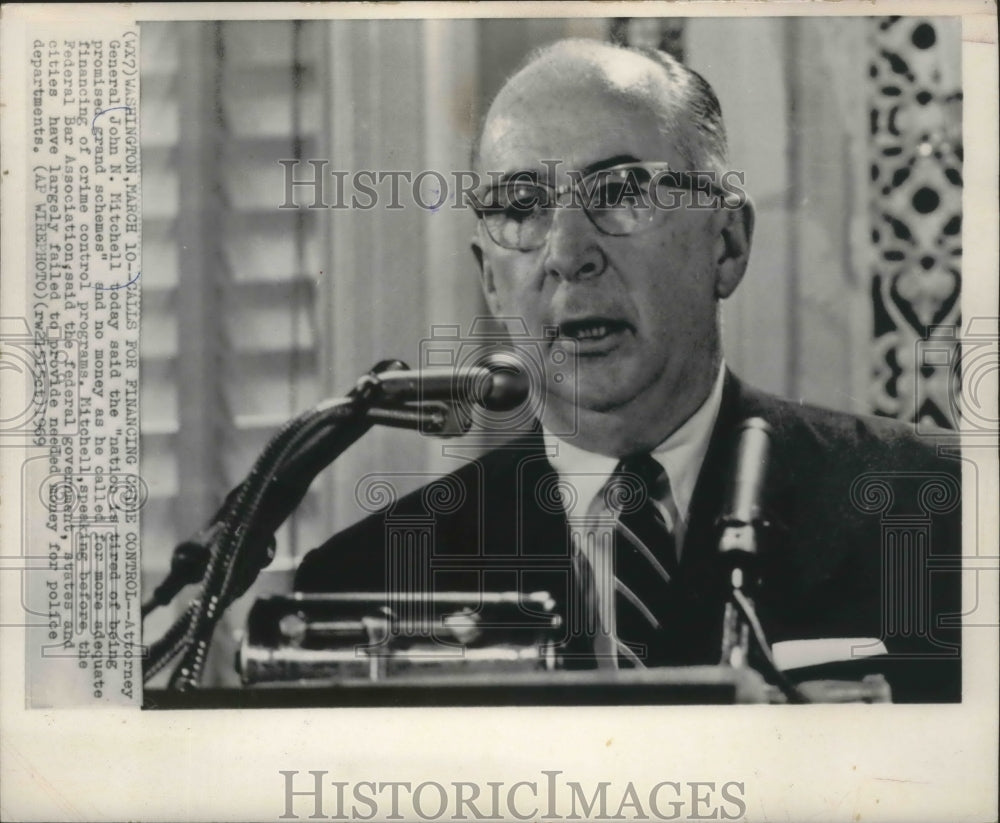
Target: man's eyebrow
{"x": 494, "y": 179}
{"x": 534, "y": 175}
{"x": 608, "y": 163}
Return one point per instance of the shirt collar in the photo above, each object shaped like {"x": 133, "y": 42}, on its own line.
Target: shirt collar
{"x": 681, "y": 456}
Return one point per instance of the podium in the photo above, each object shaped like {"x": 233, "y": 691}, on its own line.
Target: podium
{"x": 673, "y": 686}
{"x": 458, "y": 649}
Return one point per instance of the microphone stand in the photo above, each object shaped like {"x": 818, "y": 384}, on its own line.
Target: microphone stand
{"x": 740, "y": 623}
{"x": 239, "y": 543}
{"x": 740, "y": 539}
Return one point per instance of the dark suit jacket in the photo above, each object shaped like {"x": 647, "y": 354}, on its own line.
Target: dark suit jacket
{"x": 865, "y": 539}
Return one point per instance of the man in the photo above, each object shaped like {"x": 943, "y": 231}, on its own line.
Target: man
{"x": 589, "y": 238}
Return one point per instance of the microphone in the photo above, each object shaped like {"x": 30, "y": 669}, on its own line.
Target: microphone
{"x": 745, "y": 500}
{"x": 738, "y": 547}
{"x": 497, "y": 384}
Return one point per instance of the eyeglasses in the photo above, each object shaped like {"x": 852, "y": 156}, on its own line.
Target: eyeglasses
{"x": 619, "y": 201}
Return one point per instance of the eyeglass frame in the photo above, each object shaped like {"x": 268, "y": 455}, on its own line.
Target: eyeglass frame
{"x": 659, "y": 172}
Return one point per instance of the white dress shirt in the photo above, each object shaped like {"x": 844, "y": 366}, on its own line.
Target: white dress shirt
{"x": 583, "y": 476}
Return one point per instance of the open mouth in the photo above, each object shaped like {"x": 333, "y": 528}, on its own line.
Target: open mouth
{"x": 592, "y": 329}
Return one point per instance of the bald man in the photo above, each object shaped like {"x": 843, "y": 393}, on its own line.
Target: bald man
{"x": 653, "y": 294}
{"x": 607, "y": 229}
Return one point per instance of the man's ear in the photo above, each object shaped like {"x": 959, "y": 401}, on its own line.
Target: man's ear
{"x": 733, "y": 246}
{"x": 485, "y": 276}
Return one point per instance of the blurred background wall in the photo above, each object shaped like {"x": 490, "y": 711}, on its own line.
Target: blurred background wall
{"x": 848, "y": 131}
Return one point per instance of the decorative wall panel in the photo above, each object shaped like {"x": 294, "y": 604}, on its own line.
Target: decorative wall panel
{"x": 916, "y": 215}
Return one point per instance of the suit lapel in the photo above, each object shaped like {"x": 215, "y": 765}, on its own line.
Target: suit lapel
{"x": 532, "y": 524}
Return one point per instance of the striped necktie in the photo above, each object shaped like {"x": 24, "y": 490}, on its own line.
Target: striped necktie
{"x": 645, "y": 558}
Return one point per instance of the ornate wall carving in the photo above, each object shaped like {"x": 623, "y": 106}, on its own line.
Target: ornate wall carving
{"x": 915, "y": 212}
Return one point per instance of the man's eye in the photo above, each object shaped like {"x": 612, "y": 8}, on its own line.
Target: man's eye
{"x": 629, "y": 190}
{"x": 523, "y": 197}
{"x": 520, "y": 202}
{"x": 612, "y": 193}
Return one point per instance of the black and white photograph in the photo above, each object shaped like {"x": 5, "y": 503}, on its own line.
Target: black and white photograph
{"x": 631, "y": 345}
{"x": 500, "y": 411}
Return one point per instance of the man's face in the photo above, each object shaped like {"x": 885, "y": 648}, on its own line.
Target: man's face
{"x": 637, "y": 314}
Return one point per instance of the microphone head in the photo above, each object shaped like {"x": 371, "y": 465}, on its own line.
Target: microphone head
{"x": 746, "y": 496}
{"x": 509, "y": 384}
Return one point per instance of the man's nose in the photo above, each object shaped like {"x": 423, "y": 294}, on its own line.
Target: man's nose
{"x": 571, "y": 251}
